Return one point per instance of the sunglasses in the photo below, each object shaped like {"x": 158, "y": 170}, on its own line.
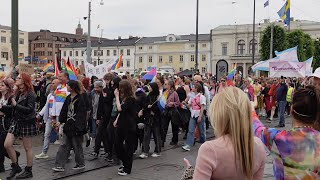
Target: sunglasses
{"x": 223, "y": 80}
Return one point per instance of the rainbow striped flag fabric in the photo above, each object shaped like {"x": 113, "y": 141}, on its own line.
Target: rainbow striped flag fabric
{"x": 48, "y": 67}
{"x": 117, "y": 64}
{"x": 232, "y": 73}
{"x": 60, "y": 95}
{"x": 72, "y": 74}
{"x": 163, "y": 100}
{"x": 20, "y": 58}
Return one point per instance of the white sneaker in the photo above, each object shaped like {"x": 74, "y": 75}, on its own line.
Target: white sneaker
{"x": 56, "y": 142}
{"x": 155, "y": 155}
{"x": 58, "y": 169}
{"x": 186, "y": 147}
{"x": 122, "y": 173}
{"x": 41, "y": 156}
{"x": 143, "y": 156}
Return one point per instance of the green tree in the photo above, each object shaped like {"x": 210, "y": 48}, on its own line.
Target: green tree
{"x": 279, "y": 41}
{"x": 303, "y": 41}
{"x": 316, "y": 59}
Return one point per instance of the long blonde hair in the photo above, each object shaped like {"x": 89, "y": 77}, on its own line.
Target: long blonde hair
{"x": 230, "y": 115}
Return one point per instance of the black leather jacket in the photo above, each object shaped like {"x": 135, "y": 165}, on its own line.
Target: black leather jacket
{"x": 24, "y": 112}
{"x": 6, "y": 119}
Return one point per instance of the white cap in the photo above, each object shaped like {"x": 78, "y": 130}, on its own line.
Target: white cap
{"x": 316, "y": 73}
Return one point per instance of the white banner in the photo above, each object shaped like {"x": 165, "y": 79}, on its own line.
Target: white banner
{"x": 98, "y": 71}
{"x": 287, "y": 69}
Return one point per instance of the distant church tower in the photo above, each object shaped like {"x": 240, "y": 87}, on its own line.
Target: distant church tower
{"x": 79, "y": 30}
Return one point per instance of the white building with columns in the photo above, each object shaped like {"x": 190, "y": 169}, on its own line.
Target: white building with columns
{"x": 103, "y": 52}
{"x": 233, "y": 44}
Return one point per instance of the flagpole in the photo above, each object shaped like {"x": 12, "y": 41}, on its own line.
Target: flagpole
{"x": 254, "y": 31}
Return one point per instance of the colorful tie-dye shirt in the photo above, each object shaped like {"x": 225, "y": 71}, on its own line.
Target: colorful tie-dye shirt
{"x": 296, "y": 152}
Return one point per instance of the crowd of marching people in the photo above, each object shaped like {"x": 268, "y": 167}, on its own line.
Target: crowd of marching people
{"x": 122, "y": 115}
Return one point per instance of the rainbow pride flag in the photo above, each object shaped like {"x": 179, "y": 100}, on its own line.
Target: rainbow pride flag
{"x": 117, "y": 64}
{"x": 163, "y": 100}
{"x": 48, "y": 67}
{"x": 232, "y": 73}
{"x": 72, "y": 74}
{"x": 20, "y": 58}
{"x": 60, "y": 95}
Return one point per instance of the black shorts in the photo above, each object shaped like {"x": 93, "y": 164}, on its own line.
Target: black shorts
{"x": 23, "y": 130}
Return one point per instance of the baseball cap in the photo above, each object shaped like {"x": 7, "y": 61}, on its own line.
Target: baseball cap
{"x": 316, "y": 73}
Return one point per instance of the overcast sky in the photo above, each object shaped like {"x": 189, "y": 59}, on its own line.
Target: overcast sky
{"x": 147, "y": 17}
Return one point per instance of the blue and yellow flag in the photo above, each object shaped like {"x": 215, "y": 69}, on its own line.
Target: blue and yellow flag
{"x": 284, "y": 13}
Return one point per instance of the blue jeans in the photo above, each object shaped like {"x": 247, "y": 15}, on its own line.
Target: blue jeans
{"x": 94, "y": 127}
{"x": 282, "y": 109}
{"x": 47, "y": 133}
{"x": 191, "y": 130}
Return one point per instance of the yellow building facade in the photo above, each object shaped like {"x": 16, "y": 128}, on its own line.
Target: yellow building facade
{"x": 172, "y": 53}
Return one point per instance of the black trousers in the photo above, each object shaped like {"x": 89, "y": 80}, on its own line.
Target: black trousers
{"x": 139, "y": 138}
{"x": 165, "y": 125}
{"x": 125, "y": 141}
{"x": 111, "y": 138}
{"x": 102, "y": 136}
{"x": 155, "y": 131}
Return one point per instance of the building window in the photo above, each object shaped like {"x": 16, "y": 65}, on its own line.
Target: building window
{"x": 4, "y": 55}
{"x": 3, "y": 39}
{"x": 204, "y": 45}
{"x": 94, "y": 63}
{"x": 77, "y": 63}
{"x": 65, "y": 53}
{"x": 192, "y": 45}
{"x": 204, "y": 57}
{"x": 50, "y": 45}
{"x": 160, "y": 59}
{"x": 181, "y": 58}
{"x": 77, "y": 53}
{"x": 203, "y": 70}
{"x": 121, "y": 51}
{"x": 70, "y": 53}
{"x": 180, "y": 69}
{"x": 49, "y": 53}
{"x": 3, "y": 31}
{"x": 150, "y": 47}
{"x": 170, "y": 59}
{"x": 140, "y": 48}
{"x": 95, "y": 53}
{"x": 128, "y": 63}
{"x": 192, "y": 57}
{"x": 192, "y": 69}
{"x": 128, "y": 52}
{"x": 140, "y": 59}
{"x": 224, "y": 49}
{"x": 255, "y": 46}
{"x": 108, "y": 52}
{"x": 241, "y": 47}
{"x": 150, "y": 59}
{"x": 21, "y": 41}
{"x": 82, "y": 53}
{"x": 82, "y": 62}
{"x": 114, "y": 52}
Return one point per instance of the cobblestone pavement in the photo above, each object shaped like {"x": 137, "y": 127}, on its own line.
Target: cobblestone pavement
{"x": 169, "y": 166}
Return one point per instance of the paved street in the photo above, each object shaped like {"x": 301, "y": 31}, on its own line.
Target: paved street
{"x": 169, "y": 166}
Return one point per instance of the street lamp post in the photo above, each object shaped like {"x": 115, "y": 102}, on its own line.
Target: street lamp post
{"x": 197, "y": 37}
{"x": 15, "y": 31}
{"x": 254, "y": 31}
{"x": 271, "y": 42}
{"x": 89, "y": 60}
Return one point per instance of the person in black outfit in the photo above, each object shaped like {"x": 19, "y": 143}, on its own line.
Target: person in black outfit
{"x": 140, "y": 101}
{"x": 125, "y": 126}
{"x": 73, "y": 118}
{"x": 151, "y": 114}
{"x": 103, "y": 116}
{"x": 23, "y": 124}
{"x": 6, "y": 87}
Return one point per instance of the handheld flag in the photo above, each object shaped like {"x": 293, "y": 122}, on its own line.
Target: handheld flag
{"x": 20, "y": 58}
{"x": 56, "y": 67}
{"x": 232, "y": 72}
{"x": 266, "y": 3}
{"x": 117, "y": 64}
{"x": 72, "y": 66}
{"x": 151, "y": 75}
{"x": 163, "y": 100}
{"x": 72, "y": 75}
{"x": 284, "y": 13}
{"x": 48, "y": 67}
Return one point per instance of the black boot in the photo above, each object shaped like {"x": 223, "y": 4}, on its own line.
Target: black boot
{"x": 15, "y": 170}
{"x": 18, "y": 155}
{"x": 26, "y": 174}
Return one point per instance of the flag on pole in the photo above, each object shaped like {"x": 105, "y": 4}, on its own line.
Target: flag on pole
{"x": 266, "y": 4}
{"x": 117, "y": 64}
{"x": 163, "y": 100}
{"x": 72, "y": 66}
{"x": 284, "y": 12}
{"x": 72, "y": 75}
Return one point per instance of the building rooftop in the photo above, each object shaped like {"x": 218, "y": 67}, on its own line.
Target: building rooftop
{"x": 106, "y": 43}
{"x": 191, "y": 37}
{"x": 3, "y": 27}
